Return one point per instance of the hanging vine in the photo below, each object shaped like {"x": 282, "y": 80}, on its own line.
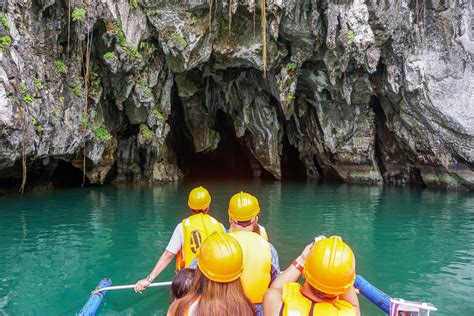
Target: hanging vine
{"x": 230, "y": 18}
{"x": 68, "y": 26}
{"x": 264, "y": 36}
{"x": 89, "y": 38}
{"x": 254, "y": 18}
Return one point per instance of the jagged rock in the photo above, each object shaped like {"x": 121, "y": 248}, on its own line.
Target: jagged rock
{"x": 363, "y": 92}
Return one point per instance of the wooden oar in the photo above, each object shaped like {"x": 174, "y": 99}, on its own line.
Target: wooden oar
{"x": 131, "y": 286}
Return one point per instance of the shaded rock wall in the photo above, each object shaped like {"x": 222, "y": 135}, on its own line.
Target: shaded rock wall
{"x": 362, "y": 91}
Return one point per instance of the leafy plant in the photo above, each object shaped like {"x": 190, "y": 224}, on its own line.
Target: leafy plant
{"x": 289, "y": 96}
{"x": 103, "y": 134}
{"x": 38, "y": 84}
{"x": 3, "y": 20}
{"x": 133, "y": 3}
{"x": 5, "y": 42}
{"x": 83, "y": 121}
{"x": 178, "y": 38}
{"x": 23, "y": 88}
{"x": 291, "y": 67}
{"x": 147, "y": 48}
{"x": 145, "y": 89}
{"x": 350, "y": 37}
{"x": 123, "y": 40}
{"x": 146, "y": 132}
{"x": 95, "y": 85}
{"x": 28, "y": 99}
{"x": 60, "y": 66}
{"x": 78, "y": 14}
{"x": 157, "y": 114}
{"x": 109, "y": 55}
{"x": 75, "y": 88}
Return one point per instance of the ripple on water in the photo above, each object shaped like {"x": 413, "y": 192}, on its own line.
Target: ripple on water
{"x": 414, "y": 244}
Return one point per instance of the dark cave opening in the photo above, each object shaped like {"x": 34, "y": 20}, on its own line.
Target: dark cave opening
{"x": 292, "y": 168}
{"x": 66, "y": 175}
{"x": 228, "y": 161}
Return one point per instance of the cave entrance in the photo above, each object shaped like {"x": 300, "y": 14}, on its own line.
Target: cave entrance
{"x": 227, "y": 162}
{"x": 66, "y": 175}
{"x": 292, "y": 168}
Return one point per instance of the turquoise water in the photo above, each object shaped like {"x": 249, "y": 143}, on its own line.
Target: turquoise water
{"x": 55, "y": 247}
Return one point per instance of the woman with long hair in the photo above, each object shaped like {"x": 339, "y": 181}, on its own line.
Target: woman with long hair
{"x": 216, "y": 289}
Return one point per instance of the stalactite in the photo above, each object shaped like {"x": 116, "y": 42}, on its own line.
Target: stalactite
{"x": 264, "y": 36}
{"x": 210, "y": 12}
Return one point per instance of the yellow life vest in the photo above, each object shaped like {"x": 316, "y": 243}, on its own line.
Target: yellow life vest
{"x": 196, "y": 228}
{"x": 255, "y": 277}
{"x": 296, "y": 304}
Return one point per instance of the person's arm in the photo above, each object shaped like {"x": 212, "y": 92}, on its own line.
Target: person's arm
{"x": 351, "y": 297}
{"x": 272, "y": 300}
{"x": 160, "y": 265}
{"x": 174, "y": 246}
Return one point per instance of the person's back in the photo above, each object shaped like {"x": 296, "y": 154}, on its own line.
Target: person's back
{"x": 217, "y": 289}
{"x": 329, "y": 273}
{"x": 257, "y": 265}
{"x": 187, "y": 236}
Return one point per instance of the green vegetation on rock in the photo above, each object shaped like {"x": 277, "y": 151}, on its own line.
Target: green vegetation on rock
{"x": 178, "y": 38}
{"x": 3, "y": 20}
{"x": 109, "y": 55}
{"x": 133, "y": 3}
{"x": 291, "y": 67}
{"x": 78, "y": 14}
{"x": 145, "y": 89}
{"x": 350, "y": 37}
{"x": 157, "y": 114}
{"x": 38, "y": 84}
{"x": 146, "y": 132}
{"x": 83, "y": 121}
{"x": 103, "y": 134}
{"x": 75, "y": 87}
{"x": 289, "y": 96}
{"x": 5, "y": 42}
{"x": 132, "y": 51}
{"x": 60, "y": 66}
{"x": 147, "y": 48}
{"x": 95, "y": 85}
{"x": 28, "y": 99}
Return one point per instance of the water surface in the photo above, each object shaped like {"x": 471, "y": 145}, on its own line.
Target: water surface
{"x": 55, "y": 247}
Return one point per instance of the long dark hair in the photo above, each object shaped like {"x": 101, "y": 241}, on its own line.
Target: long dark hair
{"x": 182, "y": 282}
{"x": 215, "y": 299}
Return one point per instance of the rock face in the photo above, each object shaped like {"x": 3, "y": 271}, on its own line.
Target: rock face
{"x": 360, "y": 91}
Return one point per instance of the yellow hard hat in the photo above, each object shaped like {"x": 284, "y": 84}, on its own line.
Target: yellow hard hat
{"x": 220, "y": 258}
{"x": 243, "y": 207}
{"x": 199, "y": 199}
{"x": 330, "y": 267}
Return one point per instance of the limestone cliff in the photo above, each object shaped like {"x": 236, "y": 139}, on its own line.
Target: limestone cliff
{"x": 139, "y": 90}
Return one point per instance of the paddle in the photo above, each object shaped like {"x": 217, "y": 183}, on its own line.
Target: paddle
{"x": 131, "y": 286}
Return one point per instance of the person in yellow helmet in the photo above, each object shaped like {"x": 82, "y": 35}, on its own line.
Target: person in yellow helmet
{"x": 216, "y": 289}
{"x": 187, "y": 236}
{"x": 328, "y": 266}
{"x": 243, "y": 214}
{"x": 260, "y": 257}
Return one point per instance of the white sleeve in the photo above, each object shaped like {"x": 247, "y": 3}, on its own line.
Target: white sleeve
{"x": 175, "y": 243}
